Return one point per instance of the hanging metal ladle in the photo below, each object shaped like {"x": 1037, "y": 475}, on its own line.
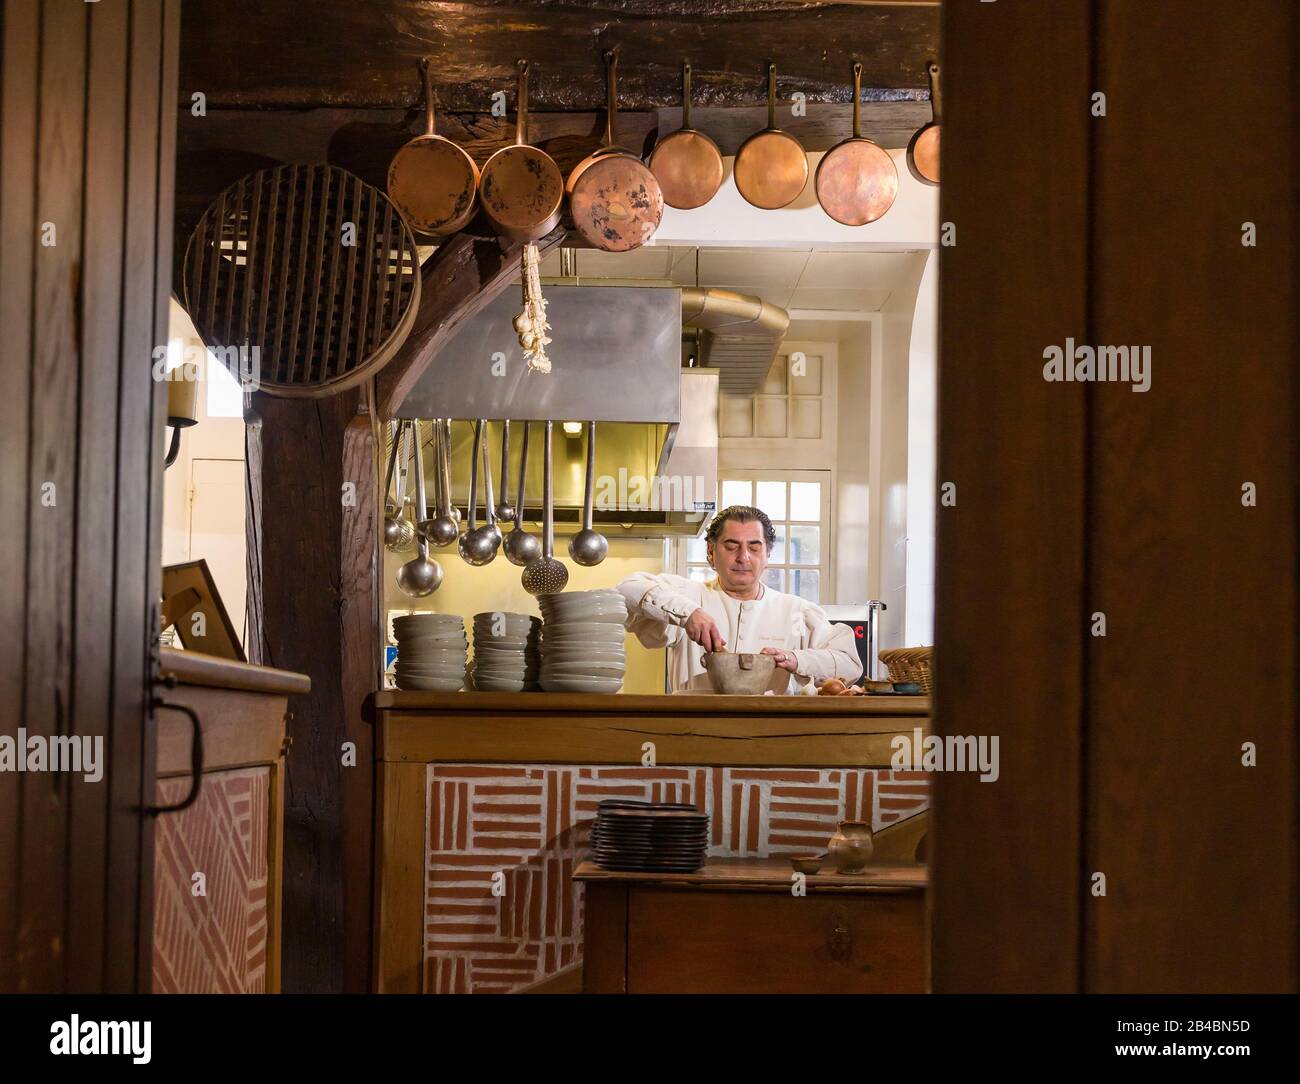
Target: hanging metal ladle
{"x": 475, "y": 546}
{"x": 505, "y": 510}
{"x": 398, "y": 532}
{"x": 588, "y": 547}
{"x": 452, "y": 509}
{"x": 419, "y": 576}
{"x": 520, "y": 546}
{"x": 490, "y": 528}
{"x": 443, "y": 529}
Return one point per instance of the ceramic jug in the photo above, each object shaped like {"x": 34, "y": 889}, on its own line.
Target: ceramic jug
{"x": 851, "y": 847}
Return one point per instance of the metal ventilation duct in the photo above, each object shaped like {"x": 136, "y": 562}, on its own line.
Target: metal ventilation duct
{"x": 739, "y": 335}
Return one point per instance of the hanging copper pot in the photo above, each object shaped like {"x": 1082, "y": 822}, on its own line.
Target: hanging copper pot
{"x": 687, "y": 163}
{"x": 433, "y": 182}
{"x": 923, "y": 148}
{"x": 771, "y": 167}
{"x": 857, "y": 180}
{"x": 614, "y": 198}
{"x": 521, "y": 187}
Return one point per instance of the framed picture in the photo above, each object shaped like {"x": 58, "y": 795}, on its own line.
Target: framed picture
{"x": 192, "y": 605}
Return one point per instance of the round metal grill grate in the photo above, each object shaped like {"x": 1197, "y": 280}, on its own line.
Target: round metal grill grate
{"x": 303, "y": 280}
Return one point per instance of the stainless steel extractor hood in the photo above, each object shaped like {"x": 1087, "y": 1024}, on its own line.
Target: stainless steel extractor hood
{"x": 616, "y": 360}
{"x": 615, "y": 354}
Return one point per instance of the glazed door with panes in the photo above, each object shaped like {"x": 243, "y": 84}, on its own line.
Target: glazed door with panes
{"x": 799, "y": 504}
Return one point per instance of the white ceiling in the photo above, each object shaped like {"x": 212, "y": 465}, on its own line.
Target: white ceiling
{"x": 825, "y": 280}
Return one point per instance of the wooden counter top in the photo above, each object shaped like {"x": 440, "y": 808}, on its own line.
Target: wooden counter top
{"x": 196, "y": 668}
{"x": 768, "y": 873}
{"x": 578, "y": 728}
{"x": 642, "y": 704}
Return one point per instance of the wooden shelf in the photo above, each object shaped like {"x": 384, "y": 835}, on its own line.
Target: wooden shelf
{"x": 768, "y": 873}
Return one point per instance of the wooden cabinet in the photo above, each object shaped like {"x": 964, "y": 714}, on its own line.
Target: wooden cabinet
{"x": 217, "y": 863}
{"x": 484, "y": 802}
{"x": 736, "y": 926}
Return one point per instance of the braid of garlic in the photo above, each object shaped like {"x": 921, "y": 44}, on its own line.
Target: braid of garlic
{"x": 530, "y": 325}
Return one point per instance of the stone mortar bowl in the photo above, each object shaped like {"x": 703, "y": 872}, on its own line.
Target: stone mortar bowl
{"x": 738, "y": 673}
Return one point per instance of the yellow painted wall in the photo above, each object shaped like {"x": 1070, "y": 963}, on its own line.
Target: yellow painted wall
{"x": 467, "y": 590}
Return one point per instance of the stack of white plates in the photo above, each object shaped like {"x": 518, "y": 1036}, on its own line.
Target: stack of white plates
{"x": 507, "y": 652}
{"x": 582, "y": 642}
{"x": 431, "y": 650}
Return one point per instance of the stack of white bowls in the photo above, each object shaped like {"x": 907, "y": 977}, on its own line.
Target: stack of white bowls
{"x": 431, "y": 652}
{"x": 507, "y": 652}
{"x": 582, "y": 642}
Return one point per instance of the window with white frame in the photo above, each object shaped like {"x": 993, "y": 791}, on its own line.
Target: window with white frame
{"x": 789, "y": 406}
{"x": 798, "y": 502}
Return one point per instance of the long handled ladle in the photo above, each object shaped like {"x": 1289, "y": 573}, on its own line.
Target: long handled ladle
{"x": 398, "y": 532}
{"x": 588, "y": 547}
{"x": 490, "y": 528}
{"x": 505, "y": 510}
{"x": 419, "y": 576}
{"x": 475, "y": 546}
{"x": 443, "y": 529}
{"x": 520, "y": 546}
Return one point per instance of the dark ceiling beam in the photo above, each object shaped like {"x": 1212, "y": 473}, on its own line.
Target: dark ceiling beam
{"x": 248, "y": 54}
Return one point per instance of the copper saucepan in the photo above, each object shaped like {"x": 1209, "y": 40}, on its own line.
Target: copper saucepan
{"x": 687, "y": 163}
{"x": 771, "y": 167}
{"x": 614, "y": 198}
{"x": 432, "y": 181}
{"x": 521, "y": 188}
{"x": 857, "y": 180}
{"x": 923, "y": 148}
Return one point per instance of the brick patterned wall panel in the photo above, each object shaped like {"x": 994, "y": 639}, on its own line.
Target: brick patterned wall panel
{"x": 214, "y": 943}
{"x": 501, "y": 907}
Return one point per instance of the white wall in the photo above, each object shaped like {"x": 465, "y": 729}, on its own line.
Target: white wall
{"x": 857, "y": 572}
{"x": 922, "y": 458}
{"x": 890, "y": 386}
{"x": 210, "y": 450}
{"x": 728, "y": 220}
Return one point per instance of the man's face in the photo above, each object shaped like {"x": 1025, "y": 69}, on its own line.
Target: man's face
{"x": 739, "y": 557}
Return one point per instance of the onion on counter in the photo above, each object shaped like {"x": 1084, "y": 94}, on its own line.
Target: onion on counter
{"x": 837, "y": 687}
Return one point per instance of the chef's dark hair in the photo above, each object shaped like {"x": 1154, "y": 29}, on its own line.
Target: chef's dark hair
{"x": 741, "y": 513}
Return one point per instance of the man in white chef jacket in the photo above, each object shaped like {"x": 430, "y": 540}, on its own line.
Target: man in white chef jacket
{"x": 739, "y": 612}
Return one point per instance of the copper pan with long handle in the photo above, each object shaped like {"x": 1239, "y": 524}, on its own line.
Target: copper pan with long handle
{"x": 687, "y": 163}
{"x": 771, "y": 167}
{"x": 433, "y": 182}
{"x": 521, "y": 188}
{"x": 923, "y": 147}
{"x": 614, "y": 198}
{"x": 857, "y": 181}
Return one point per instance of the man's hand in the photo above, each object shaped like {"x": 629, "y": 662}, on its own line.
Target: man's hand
{"x": 701, "y": 628}
{"x": 784, "y": 659}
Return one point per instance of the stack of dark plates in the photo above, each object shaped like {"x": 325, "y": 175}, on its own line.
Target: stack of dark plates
{"x": 656, "y": 837}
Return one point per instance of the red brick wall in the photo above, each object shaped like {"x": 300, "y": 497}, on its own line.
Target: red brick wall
{"x": 530, "y": 824}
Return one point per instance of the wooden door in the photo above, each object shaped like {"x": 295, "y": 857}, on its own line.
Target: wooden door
{"x": 87, "y": 120}
{"x": 1160, "y": 755}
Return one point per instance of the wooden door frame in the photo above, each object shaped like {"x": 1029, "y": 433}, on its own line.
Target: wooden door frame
{"x": 87, "y": 121}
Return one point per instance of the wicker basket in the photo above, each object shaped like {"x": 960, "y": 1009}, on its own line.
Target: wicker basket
{"x": 911, "y": 664}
